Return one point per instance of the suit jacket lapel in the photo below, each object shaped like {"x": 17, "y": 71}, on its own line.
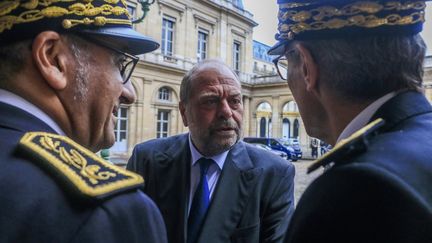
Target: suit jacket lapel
{"x": 235, "y": 184}
{"x": 173, "y": 186}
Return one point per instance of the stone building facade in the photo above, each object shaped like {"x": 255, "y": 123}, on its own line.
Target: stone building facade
{"x": 189, "y": 31}
{"x": 192, "y": 30}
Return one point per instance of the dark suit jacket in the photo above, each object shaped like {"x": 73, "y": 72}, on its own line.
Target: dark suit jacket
{"x": 36, "y": 207}
{"x": 380, "y": 195}
{"x": 252, "y": 202}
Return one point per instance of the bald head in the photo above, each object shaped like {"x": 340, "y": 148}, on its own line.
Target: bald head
{"x": 208, "y": 64}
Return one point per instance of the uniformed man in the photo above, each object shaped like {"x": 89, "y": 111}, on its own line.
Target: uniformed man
{"x": 65, "y": 67}
{"x": 355, "y": 69}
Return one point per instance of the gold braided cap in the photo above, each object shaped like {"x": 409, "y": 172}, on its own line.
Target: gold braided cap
{"x": 71, "y": 12}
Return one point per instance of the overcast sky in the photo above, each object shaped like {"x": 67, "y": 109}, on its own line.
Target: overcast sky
{"x": 265, "y": 16}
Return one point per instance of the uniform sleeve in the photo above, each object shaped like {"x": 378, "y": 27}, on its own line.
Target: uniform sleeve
{"x": 130, "y": 217}
{"x": 280, "y": 208}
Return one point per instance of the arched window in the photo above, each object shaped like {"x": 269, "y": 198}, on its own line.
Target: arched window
{"x": 263, "y": 124}
{"x": 162, "y": 129}
{"x": 164, "y": 94}
{"x": 292, "y": 106}
{"x": 286, "y": 128}
{"x": 264, "y": 107}
{"x": 264, "y": 114}
{"x": 296, "y": 128}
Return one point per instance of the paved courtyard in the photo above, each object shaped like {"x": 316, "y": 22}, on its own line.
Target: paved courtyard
{"x": 302, "y": 180}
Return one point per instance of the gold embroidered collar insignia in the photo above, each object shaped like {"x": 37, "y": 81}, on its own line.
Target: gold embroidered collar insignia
{"x": 83, "y": 172}
{"x": 354, "y": 144}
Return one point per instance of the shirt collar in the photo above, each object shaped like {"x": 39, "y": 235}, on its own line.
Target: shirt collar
{"x": 196, "y": 155}
{"x": 364, "y": 117}
{"x": 19, "y": 102}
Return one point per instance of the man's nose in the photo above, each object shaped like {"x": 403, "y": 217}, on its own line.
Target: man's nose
{"x": 225, "y": 109}
{"x": 128, "y": 95}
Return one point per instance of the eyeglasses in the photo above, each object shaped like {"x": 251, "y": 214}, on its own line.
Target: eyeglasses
{"x": 126, "y": 65}
{"x": 281, "y": 64}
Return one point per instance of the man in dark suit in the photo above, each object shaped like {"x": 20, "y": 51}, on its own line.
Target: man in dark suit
{"x": 64, "y": 70}
{"x": 355, "y": 70}
{"x": 210, "y": 186}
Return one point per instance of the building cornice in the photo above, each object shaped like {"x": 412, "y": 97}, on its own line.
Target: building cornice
{"x": 146, "y": 65}
{"x": 229, "y": 7}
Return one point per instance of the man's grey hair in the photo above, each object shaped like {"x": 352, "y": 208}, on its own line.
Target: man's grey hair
{"x": 370, "y": 67}
{"x": 80, "y": 50}
{"x": 186, "y": 84}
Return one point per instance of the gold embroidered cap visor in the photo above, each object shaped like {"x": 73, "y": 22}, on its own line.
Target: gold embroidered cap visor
{"x": 326, "y": 19}
{"x": 108, "y": 20}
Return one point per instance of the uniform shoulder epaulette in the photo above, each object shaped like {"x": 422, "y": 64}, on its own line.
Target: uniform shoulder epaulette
{"x": 353, "y": 145}
{"x": 81, "y": 171}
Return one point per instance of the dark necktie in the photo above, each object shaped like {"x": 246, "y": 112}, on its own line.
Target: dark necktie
{"x": 200, "y": 202}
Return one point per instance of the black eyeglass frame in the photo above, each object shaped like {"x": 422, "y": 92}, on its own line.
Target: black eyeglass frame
{"x": 276, "y": 60}
{"x": 134, "y": 58}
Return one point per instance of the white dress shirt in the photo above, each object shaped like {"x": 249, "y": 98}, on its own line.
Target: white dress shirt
{"x": 213, "y": 172}
{"x": 21, "y": 103}
{"x": 363, "y": 117}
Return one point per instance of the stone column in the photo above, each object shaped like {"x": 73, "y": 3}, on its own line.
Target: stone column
{"x": 247, "y": 118}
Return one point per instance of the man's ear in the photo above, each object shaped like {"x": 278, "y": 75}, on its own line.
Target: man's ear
{"x": 309, "y": 68}
{"x": 182, "y": 108}
{"x": 51, "y": 60}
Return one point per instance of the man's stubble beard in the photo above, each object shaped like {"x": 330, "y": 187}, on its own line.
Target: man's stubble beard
{"x": 212, "y": 145}
{"x": 81, "y": 83}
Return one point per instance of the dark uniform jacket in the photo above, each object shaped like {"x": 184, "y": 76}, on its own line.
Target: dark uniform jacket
{"x": 39, "y": 204}
{"x": 252, "y": 202}
{"x": 380, "y": 188}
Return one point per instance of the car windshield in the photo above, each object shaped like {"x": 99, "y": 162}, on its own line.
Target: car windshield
{"x": 262, "y": 146}
{"x": 289, "y": 141}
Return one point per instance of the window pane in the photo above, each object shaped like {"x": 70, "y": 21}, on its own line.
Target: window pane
{"x": 167, "y": 36}
{"x": 164, "y": 94}
{"x": 131, "y": 10}
{"x": 202, "y": 45}
{"x": 123, "y": 112}
{"x": 162, "y": 123}
{"x": 236, "y": 56}
{"x": 121, "y": 126}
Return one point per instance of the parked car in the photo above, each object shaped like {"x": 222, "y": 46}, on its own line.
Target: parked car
{"x": 293, "y": 143}
{"x": 276, "y": 152}
{"x": 274, "y": 144}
